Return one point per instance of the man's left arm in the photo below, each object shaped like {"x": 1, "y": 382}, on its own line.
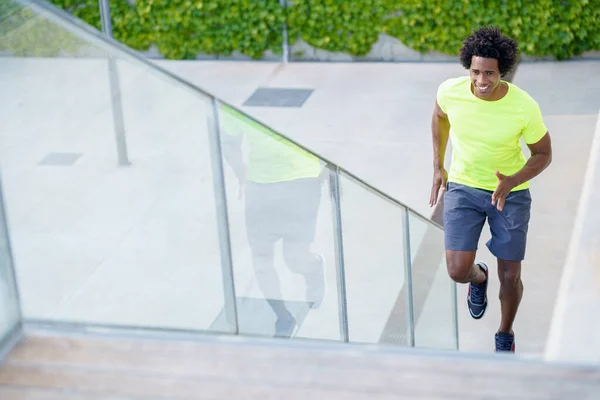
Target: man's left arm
{"x": 536, "y": 136}
{"x": 541, "y": 157}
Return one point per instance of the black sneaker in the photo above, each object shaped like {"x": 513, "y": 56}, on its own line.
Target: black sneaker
{"x": 477, "y": 297}
{"x": 505, "y": 342}
{"x": 285, "y": 326}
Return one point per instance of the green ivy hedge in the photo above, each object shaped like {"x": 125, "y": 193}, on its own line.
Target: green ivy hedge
{"x": 557, "y": 28}
{"x": 181, "y": 29}
{"x": 543, "y": 27}
{"x": 346, "y": 26}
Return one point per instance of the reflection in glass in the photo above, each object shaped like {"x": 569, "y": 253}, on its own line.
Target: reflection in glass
{"x": 281, "y": 187}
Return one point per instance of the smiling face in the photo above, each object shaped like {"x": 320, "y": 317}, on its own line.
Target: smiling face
{"x": 485, "y": 76}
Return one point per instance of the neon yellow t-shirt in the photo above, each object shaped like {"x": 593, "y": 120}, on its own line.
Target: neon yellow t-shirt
{"x": 486, "y": 135}
{"x": 271, "y": 158}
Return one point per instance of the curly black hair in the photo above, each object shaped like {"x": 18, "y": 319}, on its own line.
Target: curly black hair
{"x": 489, "y": 42}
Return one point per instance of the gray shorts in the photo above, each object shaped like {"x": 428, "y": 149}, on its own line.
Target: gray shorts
{"x": 465, "y": 212}
{"x": 282, "y": 210}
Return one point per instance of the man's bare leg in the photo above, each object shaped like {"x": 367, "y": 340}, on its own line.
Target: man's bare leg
{"x": 511, "y": 292}
{"x": 462, "y": 269}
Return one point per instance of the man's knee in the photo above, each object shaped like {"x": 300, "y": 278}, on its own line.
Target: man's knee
{"x": 459, "y": 273}
{"x": 459, "y": 264}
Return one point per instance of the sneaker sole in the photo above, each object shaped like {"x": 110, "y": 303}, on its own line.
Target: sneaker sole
{"x": 471, "y": 314}
{"x": 467, "y": 300}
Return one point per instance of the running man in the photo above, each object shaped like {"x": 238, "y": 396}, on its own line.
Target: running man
{"x": 486, "y": 117}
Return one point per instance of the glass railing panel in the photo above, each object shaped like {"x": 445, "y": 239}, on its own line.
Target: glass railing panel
{"x": 433, "y": 292}
{"x": 281, "y": 233}
{"x": 108, "y": 182}
{"x": 121, "y": 214}
{"x": 376, "y": 284}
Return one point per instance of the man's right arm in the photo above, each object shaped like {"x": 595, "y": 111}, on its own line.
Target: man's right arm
{"x": 440, "y": 131}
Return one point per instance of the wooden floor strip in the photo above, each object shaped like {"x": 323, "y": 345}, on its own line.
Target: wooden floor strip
{"x": 150, "y": 354}
{"x": 147, "y": 369}
{"x": 29, "y": 393}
